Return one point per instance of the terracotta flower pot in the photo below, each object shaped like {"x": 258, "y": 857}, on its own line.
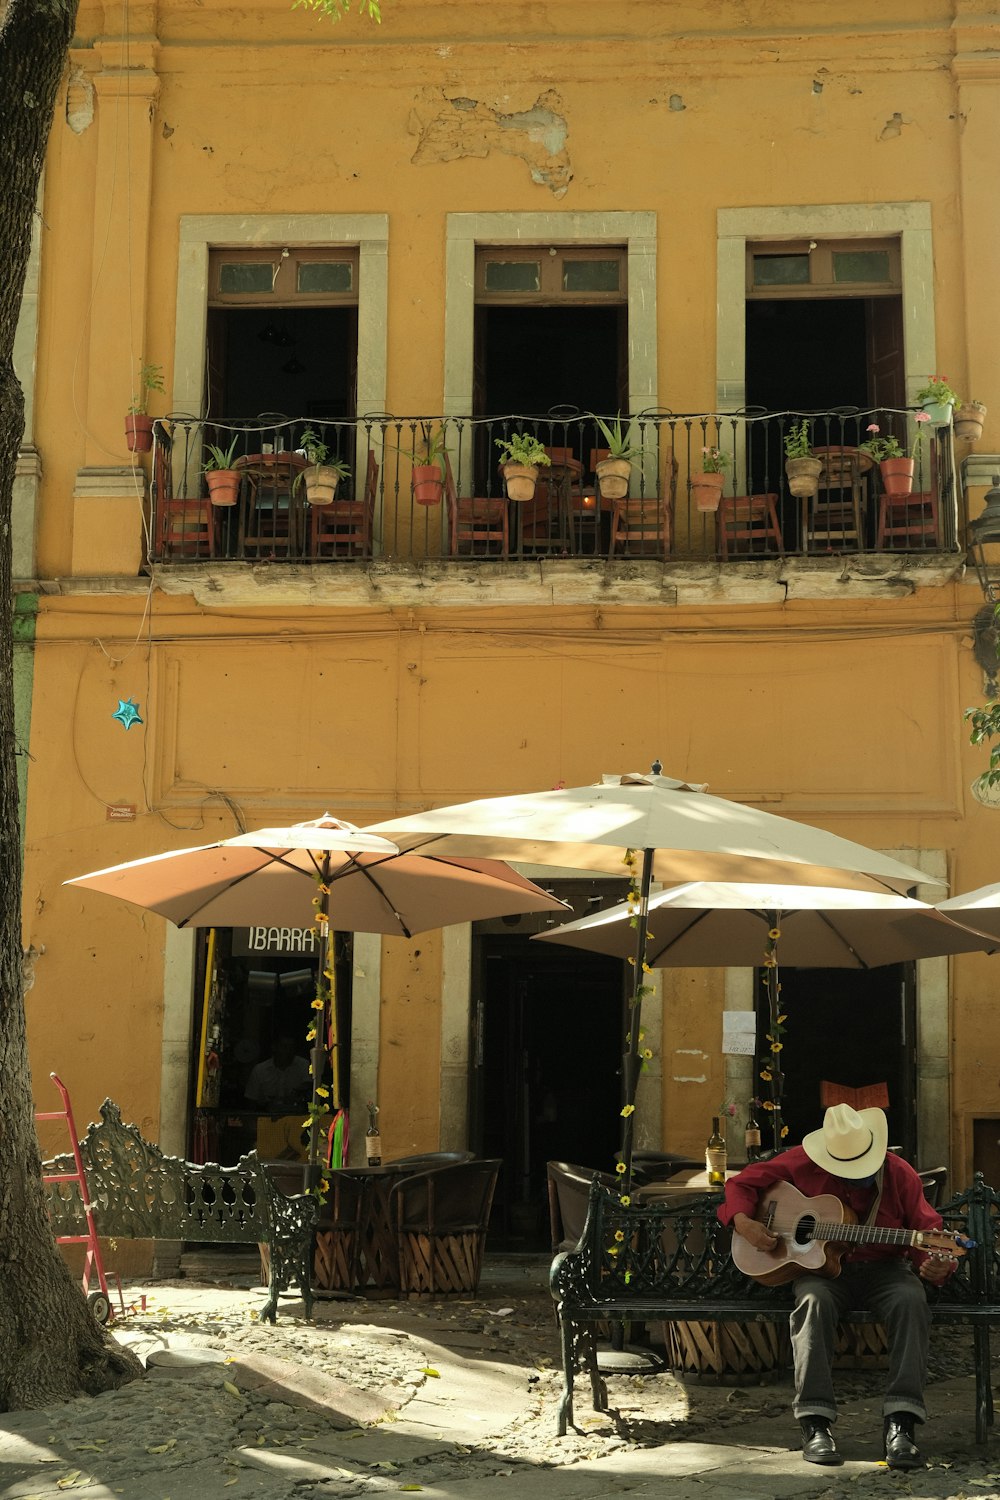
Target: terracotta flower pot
{"x": 897, "y": 475}
{"x": 707, "y": 490}
{"x": 613, "y": 475}
{"x": 223, "y": 486}
{"x": 803, "y": 475}
{"x": 428, "y": 482}
{"x": 520, "y": 480}
{"x": 939, "y": 412}
{"x": 969, "y": 420}
{"x": 138, "y": 432}
{"x": 321, "y": 483}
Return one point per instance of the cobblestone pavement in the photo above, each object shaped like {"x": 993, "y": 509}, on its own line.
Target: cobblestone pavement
{"x": 451, "y": 1399}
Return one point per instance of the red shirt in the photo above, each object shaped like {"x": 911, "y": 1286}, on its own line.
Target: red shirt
{"x": 903, "y": 1204}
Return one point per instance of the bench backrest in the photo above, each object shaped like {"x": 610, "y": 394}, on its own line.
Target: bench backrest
{"x": 139, "y": 1193}
{"x": 661, "y": 1252}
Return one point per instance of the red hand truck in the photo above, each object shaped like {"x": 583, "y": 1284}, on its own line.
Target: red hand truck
{"x": 100, "y": 1301}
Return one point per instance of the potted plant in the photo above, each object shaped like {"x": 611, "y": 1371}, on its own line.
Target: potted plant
{"x": 895, "y": 467}
{"x": 521, "y": 455}
{"x": 969, "y": 418}
{"x": 428, "y": 466}
{"x": 320, "y": 478}
{"x": 938, "y": 400}
{"x": 222, "y": 479}
{"x": 138, "y": 422}
{"x": 614, "y": 472}
{"x": 802, "y": 467}
{"x": 707, "y": 486}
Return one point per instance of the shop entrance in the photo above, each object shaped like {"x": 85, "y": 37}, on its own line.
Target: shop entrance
{"x": 250, "y": 1065}
{"x": 546, "y": 1079}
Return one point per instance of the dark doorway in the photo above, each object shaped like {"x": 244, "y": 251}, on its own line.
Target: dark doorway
{"x": 807, "y": 355}
{"x": 299, "y": 361}
{"x": 546, "y": 1085}
{"x": 531, "y": 359}
{"x": 850, "y": 1028}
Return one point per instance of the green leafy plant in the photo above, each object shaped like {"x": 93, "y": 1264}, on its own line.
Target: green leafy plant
{"x": 938, "y": 389}
{"x": 714, "y": 461}
{"x": 150, "y": 379}
{"x": 522, "y": 448}
{"x": 616, "y": 439}
{"x": 336, "y": 10}
{"x": 219, "y": 458}
{"x": 985, "y": 722}
{"x": 798, "y": 441}
{"x": 431, "y": 449}
{"x": 879, "y": 448}
{"x": 313, "y": 446}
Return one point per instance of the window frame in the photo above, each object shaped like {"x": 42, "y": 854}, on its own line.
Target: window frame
{"x": 821, "y": 281}
{"x": 551, "y": 259}
{"x": 284, "y": 291}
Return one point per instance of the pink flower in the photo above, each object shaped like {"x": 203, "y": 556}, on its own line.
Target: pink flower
{"x": 920, "y": 416}
{"x": 706, "y": 450}
{"x": 872, "y": 427}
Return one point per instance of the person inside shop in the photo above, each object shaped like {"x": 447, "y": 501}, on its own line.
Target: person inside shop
{"x": 847, "y": 1157}
{"x": 281, "y": 1083}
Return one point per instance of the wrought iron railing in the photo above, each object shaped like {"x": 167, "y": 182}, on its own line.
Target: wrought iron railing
{"x": 390, "y": 505}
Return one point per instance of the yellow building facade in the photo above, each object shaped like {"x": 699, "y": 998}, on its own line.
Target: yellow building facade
{"x": 714, "y": 219}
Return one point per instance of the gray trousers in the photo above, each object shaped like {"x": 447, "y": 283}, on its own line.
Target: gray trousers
{"x": 895, "y": 1295}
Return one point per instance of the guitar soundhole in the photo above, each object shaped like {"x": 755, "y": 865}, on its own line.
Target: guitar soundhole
{"x": 804, "y": 1229}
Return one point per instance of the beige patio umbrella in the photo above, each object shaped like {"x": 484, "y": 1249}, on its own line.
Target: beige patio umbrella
{"x": 672, "y": 829}
{"x": 346, "y": 879}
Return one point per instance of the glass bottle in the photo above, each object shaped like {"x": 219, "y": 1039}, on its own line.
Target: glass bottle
{"x": 751, "y": 1136}
{"x": 715, "y": 1155}
{"x": 373, "y": 1140}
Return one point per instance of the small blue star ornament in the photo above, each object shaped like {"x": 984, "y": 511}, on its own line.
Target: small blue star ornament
{"x": 127, "y": 713}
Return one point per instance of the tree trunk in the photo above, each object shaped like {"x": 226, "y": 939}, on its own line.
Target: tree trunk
{"x": 50, "y": 1346}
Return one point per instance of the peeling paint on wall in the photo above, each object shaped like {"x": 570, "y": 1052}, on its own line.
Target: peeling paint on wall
{"x": 681, "y": 1078}
{"x": 449, "y": 129}
{"x": 79, "y": 101}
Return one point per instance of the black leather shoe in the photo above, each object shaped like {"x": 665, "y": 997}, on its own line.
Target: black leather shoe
{"x": 901, "y": 1452}
{"x": 818, "y": 1446}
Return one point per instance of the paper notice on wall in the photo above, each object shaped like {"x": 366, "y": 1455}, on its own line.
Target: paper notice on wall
{"x": 739, "y": 1032}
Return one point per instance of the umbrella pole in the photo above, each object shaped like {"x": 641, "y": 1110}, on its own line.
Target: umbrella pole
{"x": 319, "y": 1025}
{"x": 631, "y": 1060}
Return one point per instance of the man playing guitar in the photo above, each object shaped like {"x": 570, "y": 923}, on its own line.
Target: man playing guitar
{"x": 846, "y": 1159}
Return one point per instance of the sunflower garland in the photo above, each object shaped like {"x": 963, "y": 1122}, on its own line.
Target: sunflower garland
{"x": 771, "y": 1072}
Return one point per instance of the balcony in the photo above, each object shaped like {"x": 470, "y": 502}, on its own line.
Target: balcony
{"x": 387, "y": 524}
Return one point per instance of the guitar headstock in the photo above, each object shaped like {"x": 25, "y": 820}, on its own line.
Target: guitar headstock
{"x": 941, "y": 1242}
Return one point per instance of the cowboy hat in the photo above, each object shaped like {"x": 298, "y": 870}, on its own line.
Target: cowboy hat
{"x": 850, "y": 1143}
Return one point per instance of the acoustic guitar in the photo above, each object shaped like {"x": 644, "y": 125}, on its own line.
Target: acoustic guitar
{"x": 814, "y": 1234}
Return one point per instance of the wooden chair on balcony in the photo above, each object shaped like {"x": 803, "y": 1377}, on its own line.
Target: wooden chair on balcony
{"x": 645, "y": 523}
{"x": 478, "y": 524}
{"x": 345, "y": 527}
{"x": 748, "y": 519}
{"x": 836, "y": 512}
{"x": 183, "y": 527}
{"x": 910, "y": 518}
{"x": 271, "y": 505}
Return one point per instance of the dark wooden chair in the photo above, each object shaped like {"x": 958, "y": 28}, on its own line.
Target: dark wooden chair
{"x": 835, "y": 516}
{"x": 748, "y": 519}
{"x": 271, "y": 504}
{"x": 441, "y": 1221}
{"x": 477, "y": 524}
{"x": 645, "y": 523}
{"x": 908, "y": 518}
{"x": 346, "y": 527}
{"x": 184, "y": 526}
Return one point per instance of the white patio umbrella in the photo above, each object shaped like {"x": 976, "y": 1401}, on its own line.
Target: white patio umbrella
{"x": 979, "y": 908}
{"x": 675, "y": 831}
{"x": 715, "y": 925}
{"x": 343, "y": 877}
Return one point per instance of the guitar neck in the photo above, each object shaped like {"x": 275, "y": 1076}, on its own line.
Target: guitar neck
{"x": 866, "y": 1234}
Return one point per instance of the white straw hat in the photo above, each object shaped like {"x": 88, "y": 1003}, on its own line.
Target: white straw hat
{"x": 851, "y": 1142}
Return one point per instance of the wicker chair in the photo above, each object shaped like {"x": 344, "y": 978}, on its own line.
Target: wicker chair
{"x": 569, "y": 1193}
{"x": 441, "y": 1221}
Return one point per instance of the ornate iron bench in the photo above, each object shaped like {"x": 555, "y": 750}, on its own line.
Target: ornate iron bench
{"x": 137, "y": 1193}
{"x": 672, "y": 1263}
